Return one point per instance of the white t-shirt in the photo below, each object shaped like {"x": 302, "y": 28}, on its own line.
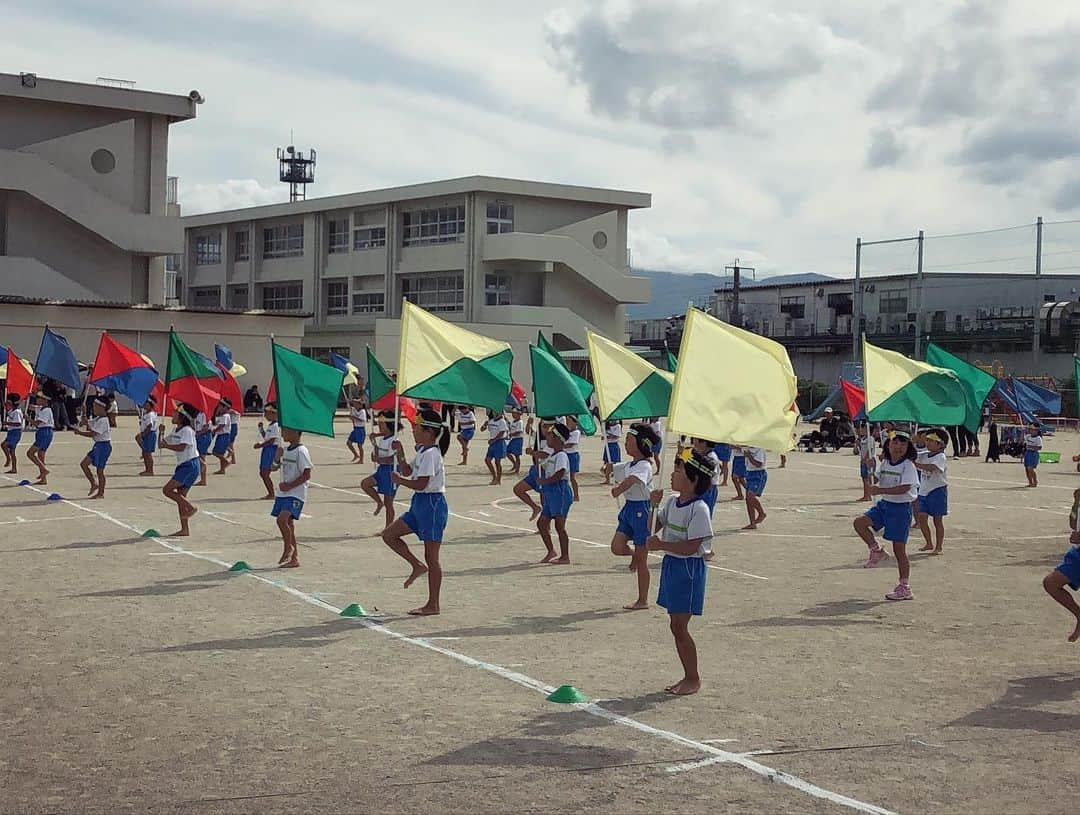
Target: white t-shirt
{"x": 1033, "y": 442}
{"x": 384, "y": 447}
{"x": 684, "y": 523}
{"x": 642, "y": 473}
{"x": 185, "y": 436}
{"x": 757, "y": 453}
{"x": 497, "y": 427}
{"x": 429, "y": 462}
{"x": 101, "y": 429}
{"x": 893, "y": 475}
{"x": 466, "y": 419}
{"x": 572, "y": 441}
{"x": 222, "y": 424}
{"x": 866, "y": 447}
{"x": 555, "y": 462}
{"x": 658, "y": 429}
{"x": 613, "y": 433}
{"x": 714, "y": 460}
{"x": 517, "y": 428}
{"x": 272, "y": 434}
{"x": 147, "y": 420}
{"x": 14, "y": 420}
{"x": 43, "y": 417}
{"x": 293, "y": 463}
{"x": 200, "y": 423}
{"x": 931, "y": 481}
{"x": 359, "y": 417}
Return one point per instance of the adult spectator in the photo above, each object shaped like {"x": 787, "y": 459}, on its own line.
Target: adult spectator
{"x": 253, "y": 401}
{"x": 825, "y": 435}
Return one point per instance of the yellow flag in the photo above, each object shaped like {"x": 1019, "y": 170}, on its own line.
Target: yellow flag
{"x": 733, "y": 386}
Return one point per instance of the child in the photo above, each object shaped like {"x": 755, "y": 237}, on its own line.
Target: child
{"x": 269, "y": 445}
{"x": 658, "y": 428}
{"x": 738, "y": 471}
{"x": 723, "y": 455}
{"x": 635, "y": 482}
{"x": 1067, "y": 572}
{"x": 466, "y": 420}
{"x": 684, "y": 538}
{"x": 13, "y": 424}
{"x": 1032, "y": 445}
{"x": 292, "y": 492}
{"x": 380, "y": 485}
{"x": 147, "y": 437}
{"x": 428, "y": 511}
{"x": 556, "y": 495}
{"x": 897, "y": 486}
{"x": 204, "y": 435}
{"x": 516, "y": 445}
{"x": 100, "y": 431}
{"x": 222, "y": 434}
{"x": 864, "y": 444}
{"x": 234, "y": 431}
{"x": 612, "y": 452}
{"x": 531, "y": 480}
{"x": 708, "y": 450}
{"x": 182, "y": 442}
{"x": 43, "y": 436}
{"x": 355, "y": 443}
{"x": 756, "y": 476}
{"x": 933, "y": 500}
{"x": 498, "y": 432}
{"x": 573, "y": 454}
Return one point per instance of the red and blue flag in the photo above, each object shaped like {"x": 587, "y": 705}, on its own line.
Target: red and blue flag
{"x": 122, "y": 370}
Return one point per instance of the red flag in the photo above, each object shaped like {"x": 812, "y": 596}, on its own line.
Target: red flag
{"x": 854, "y": 397}
{"x": 518, "y": 393}
{"x": 163, "y": 406}
{"x": 271, "y": 392}
{"x": 19, "y": 379}
{"x": 228, "y": 388}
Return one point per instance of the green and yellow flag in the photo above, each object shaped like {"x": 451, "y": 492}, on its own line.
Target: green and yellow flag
{"x": 307, "y": 391}
{"x": 627, "y": 387}
{"x": 671, "y": 362}
{"x": 732, "y": 386}
{"x": 976, "y": 382}
{"x": 444, "y": 362}
{"x": 584, "y": 386}
{"x": 902, "y": 389}
{"x": 555, "y": 393}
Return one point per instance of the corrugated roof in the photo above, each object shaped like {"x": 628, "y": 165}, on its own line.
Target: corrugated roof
{"x": 20, "y": 300}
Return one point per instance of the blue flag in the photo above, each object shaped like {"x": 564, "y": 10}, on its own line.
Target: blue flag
{"x": 224, "y": 356}
{"x": 57, "y": 361}
{"x": 339, "y": 362}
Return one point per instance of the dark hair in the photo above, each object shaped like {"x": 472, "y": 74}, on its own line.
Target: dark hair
{"x": 647, "y": 440}
{"x": 560, "y": 430}
{"x": 388, "y": 417}
{"x": 709, "y": 444}
{"x": 14, "y": 398}
{"x": 185, "y": 414}
{"x": 911, "y": 453}
{"x": 432, "y": 420}
{"x": 700, "y": 470}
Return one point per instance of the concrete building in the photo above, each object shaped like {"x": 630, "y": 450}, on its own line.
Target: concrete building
{"x": 85, "y": 209}
{"x": 500, "y": 256}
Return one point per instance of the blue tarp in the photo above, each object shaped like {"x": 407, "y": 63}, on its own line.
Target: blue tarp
{"x": 1027, "y": 400}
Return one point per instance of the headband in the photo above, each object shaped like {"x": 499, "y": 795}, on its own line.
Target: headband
{"x": 184, "y": 411}
{"x": 899, "y": 434}
{"x": 934, "y": 436}
{"x": 557, "y": 432}
{"x": 643, "y": 443}
{"x": 425, "y": 423}
{"x": 687, "y": 458}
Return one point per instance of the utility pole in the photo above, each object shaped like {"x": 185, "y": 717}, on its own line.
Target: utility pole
{"x": 736, "y": 285}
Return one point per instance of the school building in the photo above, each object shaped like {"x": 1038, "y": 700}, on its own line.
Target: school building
{"x": 502, "y": 257}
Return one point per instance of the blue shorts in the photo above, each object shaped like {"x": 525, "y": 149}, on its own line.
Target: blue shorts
{"x": 864, "y": 471}
{"x": 515, "y": 447}
{"x": 555, "y": 499}
{"x": 358, "y": 435}
{"x": 427, "y": 516}
{"x": 187, "y": 473}
{"x": 575, "y": 462}
{"x": 13, "y": 438}
{"x": 234, "y": 431}
{"x": 148, "y": 443}
{"x": 221, "y": 444}
{"x": 613, "y": 453}
{"x": 1031, "y": 459}
{"x": 202, "y": 443}
{"x": 294, "y": 506}
{"x": 99, "y": 454}
{"x": 755, "y": 481}
{"x": 467, "y": 435}
{"x": 710, "y": 497}
{"x": 682, "y": 585}
{"x": 935, "y": 503}
{"x": 43, "y": 437}
{"x": 893, "y": 517}
{"x": 497, "y": 450}
{"x": 266, "y": 457}
{"x": 634, "y": 522}
{"x": 384, "y": 484}
{"x": 738, "y": 467}
{"x": 531, "y": 479}
{"x": 1070, "y": 567}
{"x": 723, "y": 452}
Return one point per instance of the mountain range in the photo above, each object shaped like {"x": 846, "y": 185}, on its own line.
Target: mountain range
{"x": 671, "y": 291}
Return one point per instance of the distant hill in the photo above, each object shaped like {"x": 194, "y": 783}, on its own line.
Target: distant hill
{"x": 671, "y": 291}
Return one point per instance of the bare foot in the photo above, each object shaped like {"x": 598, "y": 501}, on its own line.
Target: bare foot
{"x": 180, "y": 533}
{"x": 563, "y": 561}
{"x": 750, "y": 526}
{"x": 93, "y": 489}
{"x": 292, "y": 564}
{"x": 928, "y": 548}
{"x": 684, "y": 688}
{"x": 425, "y": 611}
{"x": 418, "y": 571}
{"x": 219, "y": 472}
{"x": 200, "y": 483}
{"x": 284, "y": 558}
{"x": 1075, "y": 635}
{"x": 146, "y": 472}
{"x": 96, "y": 496}
{"x": 638, "y": 606}
{"x": 41, "y": 481}
{"x": 378, "y": 509}
{"x": 550, "y": 556}
{"x": 736, "y": 498}
{"x": 761, "y": 517}
{"x": 937, "y": 551}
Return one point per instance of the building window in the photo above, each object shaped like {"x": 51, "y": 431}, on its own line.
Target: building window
{"x": 369, "y": 237}
{"x": 500, "y": 218}
{"x": 794, "y": 307}
{"x": 283, "y": 297}
{"x": 337, "y": 297}
{"x": 497, "y": 290}
{"x": 172, "y": 263}
{"x": 368, "y": 302}
{"x": 243, "y": 246}
{"x": 172, "y": 288}
{"x": 322, "y": 354}
{"x": 285, "y": 241}
{"x": 207, "y": 249}
{"x": 436, "y": 292}
{"x": 1049, "y": 298}
{"x": 339, "y": 236}
{"x": 205, "y": 297}
{"x": 428, "y": 226}
{"x": 893, "y": 301}
{"x": 238, "y": 297}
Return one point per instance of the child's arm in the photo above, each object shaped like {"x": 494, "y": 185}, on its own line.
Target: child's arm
{"x": 899, "y": 489}
{"x": 687, "y": 548}
{"x": 751, "y": 460}
{"x": 162, "y": 444}
{"x": 303, "y": 478}
{"x": 555, "y": 477}
{"x": 88, "y": 433}
{"x": 414, "y": 484}
{"x": 927, "y": 467}
{"x": 626, "y": 484}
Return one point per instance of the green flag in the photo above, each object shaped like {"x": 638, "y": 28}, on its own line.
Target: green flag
{"x": 670, "y": 360}
{"x": 976, "y": 382}
{"x": 379, "y": 383}
{"x": 189, "y": 377}
{"x": 307, "y": 391}
{"x": 584, "y": 386}
{"x": 555, "y": 393}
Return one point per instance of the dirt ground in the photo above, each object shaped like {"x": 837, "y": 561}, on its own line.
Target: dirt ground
{"x": 141, "y": 675}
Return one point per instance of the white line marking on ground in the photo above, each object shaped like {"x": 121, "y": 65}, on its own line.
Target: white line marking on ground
{"x": 528, "y": 682}
{"x": 21, "y": 520}
{"x": 717, "y": 741}
{"x": 185, "y": 552}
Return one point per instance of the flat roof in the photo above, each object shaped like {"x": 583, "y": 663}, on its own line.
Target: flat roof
{"x": 431, "y": 189}
{"x": 174, "y": 106}
{"x": 20, "y": 300}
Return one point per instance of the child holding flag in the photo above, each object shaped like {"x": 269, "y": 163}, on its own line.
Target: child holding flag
{"x": 13, "y": 424}
{"x": 234, "y": 431}
{"x": 182, "y": 442}
{"x": 204, "y": 435}
{"x": 612, "y": 452}
{"x": 428, "y": 511}
{"x": 635, "y": 482}
{"x": 864, "y": 445}
{"x": 466, "y": 421}
{"x": 933, "y": 500}
{"x": 556, "y": 495}
{"x": 1067, "y": 574}
{"x": 1032, "y": 446}
{"x": 756, "y": 477}
{"x": 498, "y": 432}
{"x": 355, "y": 442}
{"x": 573, "y": 453}
{"x": 223, "y": 422}
{"x": 43, "y": 436}
{"x": 147, "y": 437}
{"x": 292, "y": 492}
{"x": 708, "y": 449}
{"x": 531, "y": 480}
{"x": 100, "y": 431}
{"x": 516, "y": 445}
{"x": 268, "y": 445}
{"x": 380, "y": 485}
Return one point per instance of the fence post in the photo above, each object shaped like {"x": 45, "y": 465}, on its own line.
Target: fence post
{"x": 919, "y": 299}
{"x": 1035, "y": 339}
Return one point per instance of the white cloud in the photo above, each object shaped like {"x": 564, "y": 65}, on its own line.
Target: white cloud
{"x": 232, "y": 194}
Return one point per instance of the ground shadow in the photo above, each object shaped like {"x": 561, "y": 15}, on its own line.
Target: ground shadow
{"x": 77, "y": 545}
{"x": 306, "y": 636}
{"x": 524, "y": 752}
{"x": 165, "y": 588}
{"x": 1017, "y": 708}
{"x": 823, "y": 614}
{"x": 557, "y": 624}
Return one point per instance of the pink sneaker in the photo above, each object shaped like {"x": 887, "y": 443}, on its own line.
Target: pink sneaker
{"x": 901, "y": 592}
{"x": 876, "y": 556}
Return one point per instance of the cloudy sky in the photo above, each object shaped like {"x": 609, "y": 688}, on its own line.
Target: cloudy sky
{"x": 769, "y": 130}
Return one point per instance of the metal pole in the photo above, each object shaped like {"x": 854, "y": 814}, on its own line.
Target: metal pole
{"x": 857, "y": 303}
{"x": 1038, "y": 296}
{"x": 735, "y": 295}
{"x": 919, "y": 300}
